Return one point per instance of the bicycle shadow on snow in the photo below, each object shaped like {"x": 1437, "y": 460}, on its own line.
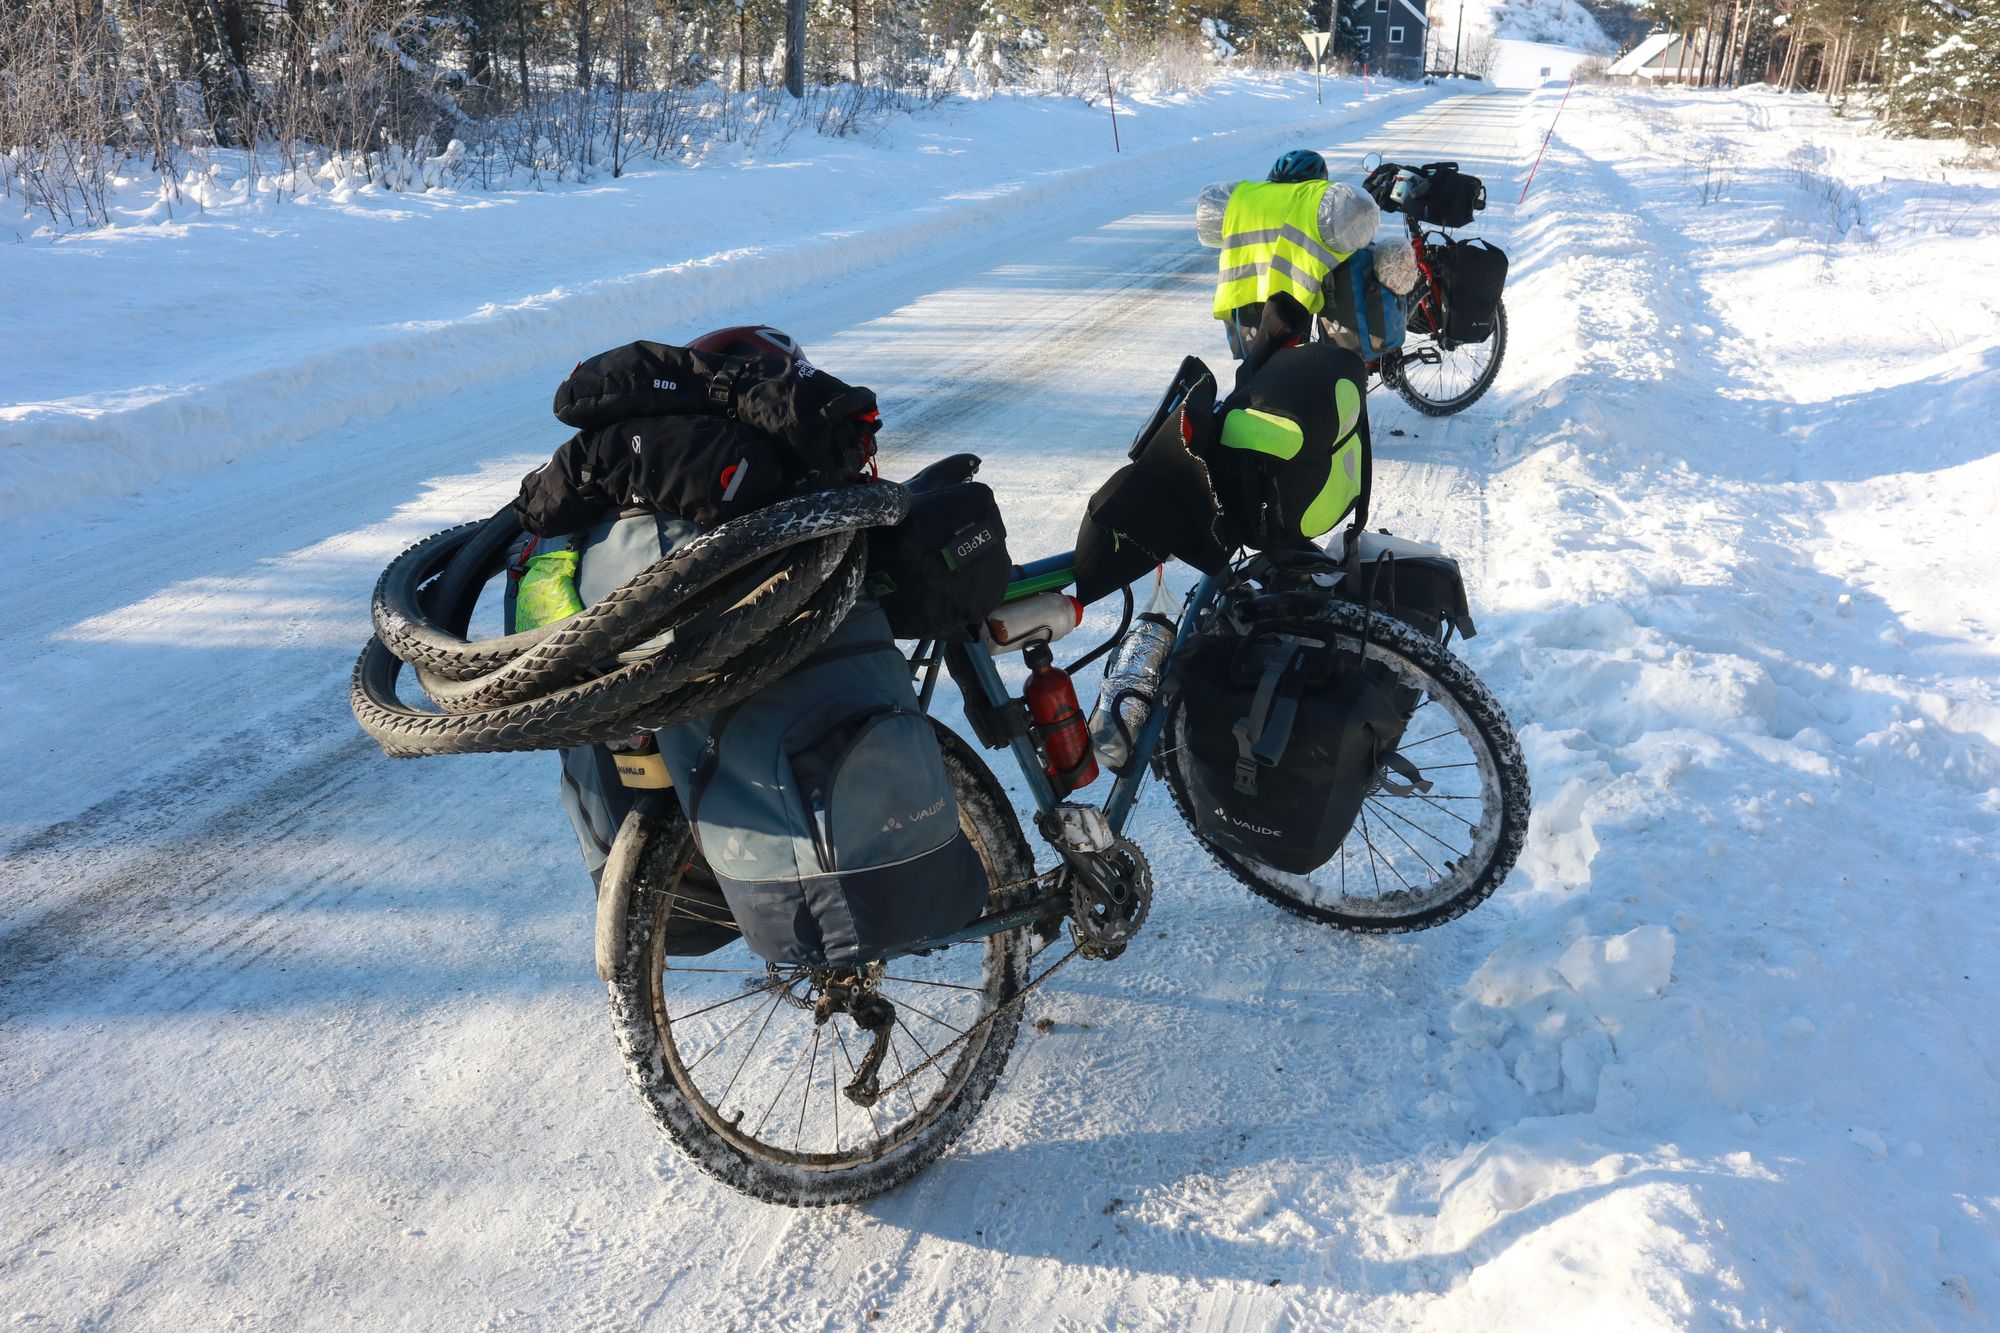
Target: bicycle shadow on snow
{"x": 1199, "y": 1205}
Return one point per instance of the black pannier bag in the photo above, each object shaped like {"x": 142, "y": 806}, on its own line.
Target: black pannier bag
{"x": 944, "y": 568}
{"x": 1285, "y": 734}
{"x": 1471, "y": 275}
{"x": 1450, "y": 197}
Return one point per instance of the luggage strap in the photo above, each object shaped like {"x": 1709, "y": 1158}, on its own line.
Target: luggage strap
{"x": 1262, "y": 736}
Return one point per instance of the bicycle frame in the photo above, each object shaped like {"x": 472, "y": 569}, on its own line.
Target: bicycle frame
{"x": 992, "y": 695}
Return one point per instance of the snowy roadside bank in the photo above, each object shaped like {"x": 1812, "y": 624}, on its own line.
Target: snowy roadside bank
{"x": 1732, "y": 1065}
{"x": 142, "y": 351}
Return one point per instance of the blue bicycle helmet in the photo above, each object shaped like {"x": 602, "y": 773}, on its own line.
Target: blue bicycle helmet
{"x": 1301, "y": 164}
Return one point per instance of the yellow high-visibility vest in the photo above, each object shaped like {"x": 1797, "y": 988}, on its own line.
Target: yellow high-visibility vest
{"x": 1270, "y": 243}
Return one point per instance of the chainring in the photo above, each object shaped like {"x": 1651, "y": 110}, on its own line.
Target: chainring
{"x": 1103, "y": 923}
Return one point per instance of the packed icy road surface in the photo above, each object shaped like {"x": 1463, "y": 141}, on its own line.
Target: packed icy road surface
{"x": 294, "y": 1035}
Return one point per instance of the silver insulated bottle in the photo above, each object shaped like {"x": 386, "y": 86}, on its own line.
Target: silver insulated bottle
{"x": 1131, "y": 686}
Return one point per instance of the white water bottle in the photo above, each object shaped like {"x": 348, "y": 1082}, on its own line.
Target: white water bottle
{"x": 1132, "y": 683}
{"x": 1043, "y": 618}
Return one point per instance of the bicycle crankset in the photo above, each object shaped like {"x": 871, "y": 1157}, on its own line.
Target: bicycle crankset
{"x": 1110, "y": 893}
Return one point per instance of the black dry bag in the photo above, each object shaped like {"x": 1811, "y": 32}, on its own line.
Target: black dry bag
{"x": 943, "y": 569}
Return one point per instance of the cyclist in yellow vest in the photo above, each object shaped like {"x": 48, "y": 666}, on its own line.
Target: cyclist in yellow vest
{"x": 1280, "y": 238}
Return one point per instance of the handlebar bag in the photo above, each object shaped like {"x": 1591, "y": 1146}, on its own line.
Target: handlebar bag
{"x": 944, "y": 568}
{"x": 1285, "y": 736}
{"x": 823, "y": 807}
{"x": 1450, "y": 197}
{"x": 1367, "y": 317}
{"x": 1471, "y": 275}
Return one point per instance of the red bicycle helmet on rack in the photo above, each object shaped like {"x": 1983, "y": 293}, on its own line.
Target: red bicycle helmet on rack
{"x": 749, "y": 340}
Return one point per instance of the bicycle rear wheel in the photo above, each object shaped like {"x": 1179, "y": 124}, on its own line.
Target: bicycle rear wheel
{"x": 1438, "y": 380}
{"x": 1415, "y": 858}
{"x": 758, "y": 1073}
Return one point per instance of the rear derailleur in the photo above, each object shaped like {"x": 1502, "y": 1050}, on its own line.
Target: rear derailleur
{"x": 854, "y": 994}
{"x": 1110, "y": 885}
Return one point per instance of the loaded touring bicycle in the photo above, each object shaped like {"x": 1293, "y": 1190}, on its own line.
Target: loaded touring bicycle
{"x": 822, "y": 1038}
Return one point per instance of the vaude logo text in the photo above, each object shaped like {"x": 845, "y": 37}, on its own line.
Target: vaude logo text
{"x": 1246, "y": 824}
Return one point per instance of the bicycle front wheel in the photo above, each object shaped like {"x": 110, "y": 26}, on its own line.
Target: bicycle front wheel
{"x": 1420, "y": 853}
{"x": 807, "y": 1086}
{"x": 1438, "y": 380}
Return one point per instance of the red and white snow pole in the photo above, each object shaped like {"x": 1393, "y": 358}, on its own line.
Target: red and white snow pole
{"x": 1545, "y": 143}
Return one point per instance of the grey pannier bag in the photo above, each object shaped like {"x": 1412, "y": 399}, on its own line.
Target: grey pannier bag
{"x": 824, "y": 809}
{"x": 821, "y": 804}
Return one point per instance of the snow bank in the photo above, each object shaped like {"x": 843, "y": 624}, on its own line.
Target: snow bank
{"x": 1732, "y": 1063}
{"x": 160, "y": 346}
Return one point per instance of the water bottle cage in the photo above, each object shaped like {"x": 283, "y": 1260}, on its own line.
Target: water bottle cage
{"x": 1001, "y": 725}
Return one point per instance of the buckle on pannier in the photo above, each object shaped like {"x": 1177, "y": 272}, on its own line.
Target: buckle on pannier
{"x": 1262, "y": 736}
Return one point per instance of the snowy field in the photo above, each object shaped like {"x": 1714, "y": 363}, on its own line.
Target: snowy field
{"x": 294, "y": 1036}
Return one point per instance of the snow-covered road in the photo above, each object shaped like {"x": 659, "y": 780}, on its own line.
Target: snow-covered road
{"x": 299, "y": 1035}
{"x": 292, "y": 1035}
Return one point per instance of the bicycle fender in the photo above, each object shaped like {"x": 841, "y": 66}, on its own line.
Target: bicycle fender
{"x": 614, "y": 885}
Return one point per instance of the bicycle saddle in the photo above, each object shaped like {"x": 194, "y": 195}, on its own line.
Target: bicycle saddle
{"x": 947, "y": 471}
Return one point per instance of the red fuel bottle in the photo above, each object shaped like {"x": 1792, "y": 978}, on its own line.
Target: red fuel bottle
{"x": 1067, "y": 754}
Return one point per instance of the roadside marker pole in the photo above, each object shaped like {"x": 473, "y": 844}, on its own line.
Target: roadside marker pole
{"x": 1545, "y": 143}
{"x": 1113, "y": 99}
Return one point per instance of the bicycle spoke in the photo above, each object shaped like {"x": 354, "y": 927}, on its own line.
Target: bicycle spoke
{"x": 947, "y": 985}
{"x": 903, "y": 1083}
{"x": 929, "y": 1059}
{"x": 1413, "y": 851}
{"x": 725, "y": 971}
{"x": 806, "y": 1093}
{"x": 1447, "y": 810}
{"x": 774, "y": 1098}
{"x": 761, "y": 990}
{"x": 1455, "y": 851}
{"x": 933, "y": 1018}
{"x": 727, "y": 1035}
{"x": 1371, "y": 855}
{"x": 1385, "y": 795}
{"x": 729, "y": 1086}
{"x": 1369, "y": 839}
